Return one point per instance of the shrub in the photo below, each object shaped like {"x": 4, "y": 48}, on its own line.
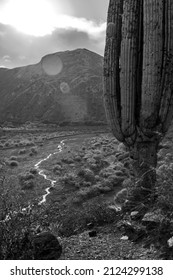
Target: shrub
{"x": 29, "y": 184}
{"x": 22, "y": 151}
{"x": 87, "y": 193}
{"x": 67, "y": 160}
{"x": 34, "y": 150}
{"x": 87, "y": 174}
{"x": 69, "y": 179}
{"x": 33, "y": 171}
{"x": 57, "y": 168}
{"x": 13, "y": 163}
{"x": 13, "y": 158}
{"x": 77, "y": 158}
{"x": 26, "y": 176}
{"x": 17, "y": 232}
{"x": 6, "y": 144}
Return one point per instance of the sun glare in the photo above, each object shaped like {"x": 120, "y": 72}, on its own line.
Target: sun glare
{"x": 33, "y": 17}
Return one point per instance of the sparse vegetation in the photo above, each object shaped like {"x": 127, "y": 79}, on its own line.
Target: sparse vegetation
{"x": 87, "y": 184}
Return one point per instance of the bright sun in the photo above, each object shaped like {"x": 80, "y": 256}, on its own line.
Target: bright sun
{"x": 33, "y": 17}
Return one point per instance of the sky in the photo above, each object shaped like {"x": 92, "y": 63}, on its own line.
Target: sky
{"x": 30, "y": 29}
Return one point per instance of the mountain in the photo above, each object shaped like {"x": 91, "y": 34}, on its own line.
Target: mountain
{"x": 62, "y": 87}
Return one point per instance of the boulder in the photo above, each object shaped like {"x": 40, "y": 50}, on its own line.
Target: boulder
{"x": 46, "y": 247}
{"x": 153, "y": 217}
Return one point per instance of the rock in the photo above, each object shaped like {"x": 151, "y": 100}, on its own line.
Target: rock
{"x": 132, "y": 230}
{"x": 134, "y": 214}
{"x": 125, "y": 237}
{"x": 170, "y": 242}
{"x": 92, "y": 233}
{"x": 46, "y": 247}
{"x": 153, "y": 217}
{"x": 116, "y": 208}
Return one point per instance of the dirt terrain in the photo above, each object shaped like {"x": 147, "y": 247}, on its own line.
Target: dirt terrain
{"x": 87, "y": 173}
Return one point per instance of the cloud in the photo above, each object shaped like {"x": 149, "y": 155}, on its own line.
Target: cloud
{"x": 93, "y": 29}
{"x": 23, "y": 49}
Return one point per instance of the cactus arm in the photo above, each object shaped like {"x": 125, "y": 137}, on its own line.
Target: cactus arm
{"x": 111, "y": 68}
{"x": 152, "y": 61}
{"x": 128, "y": 62}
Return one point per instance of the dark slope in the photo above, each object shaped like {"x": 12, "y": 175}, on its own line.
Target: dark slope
{"x": 62, "y": 87}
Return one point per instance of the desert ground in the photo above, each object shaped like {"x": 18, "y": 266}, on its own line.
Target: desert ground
{"x": 67, "y": 179}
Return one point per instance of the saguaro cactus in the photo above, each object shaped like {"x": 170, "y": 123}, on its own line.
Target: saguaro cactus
{"x": 138, "y": 75}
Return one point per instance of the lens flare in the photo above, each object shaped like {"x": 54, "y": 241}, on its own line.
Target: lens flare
{"x": 64, "y": 87}
{"x": 52, "y": 65}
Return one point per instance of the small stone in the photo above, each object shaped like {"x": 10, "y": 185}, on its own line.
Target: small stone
{"x": 115, "y": 208}
{"x": 134, "y": 214}
{"x": 170, "y": 242}
{"x": 90, "y": 225}
{"x": 125, "y": 237}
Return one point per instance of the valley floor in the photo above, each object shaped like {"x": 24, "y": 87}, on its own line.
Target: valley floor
{"x": 89, "y": 171}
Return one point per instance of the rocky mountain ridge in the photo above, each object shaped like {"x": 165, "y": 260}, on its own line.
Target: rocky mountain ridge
{"x": 62, "y": 87}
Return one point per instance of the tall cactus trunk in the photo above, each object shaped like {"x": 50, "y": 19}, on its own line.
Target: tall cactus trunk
{"x": 138, "y": 77}
{"x": 144, "y": 162}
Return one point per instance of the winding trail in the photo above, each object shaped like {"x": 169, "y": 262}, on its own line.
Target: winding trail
{"x": 28, "y": 209}
{"x": 41, "y": 172}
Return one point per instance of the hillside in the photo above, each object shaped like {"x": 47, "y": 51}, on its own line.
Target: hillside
{"x": 62, "y": 87}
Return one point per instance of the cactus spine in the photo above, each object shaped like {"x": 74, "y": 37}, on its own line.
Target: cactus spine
{"x": 138, "y": 75}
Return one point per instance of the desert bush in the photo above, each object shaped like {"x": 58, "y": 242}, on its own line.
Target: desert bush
{"x": 33, "y": 171}
{"x": 104, "y": 187}
{"x": 57, "y": 168}
{"x": 29, "y": 184}
{"x": 13, "y": 158}
{"x": 6, "y": 144}
{"x": 85, "y": 184}
{"x": 22, "y": 151}
{"x": 34, "y": 150}
{"x": 77, "y": 158}
{"x": 16, "y": 227}
{"x": 13, "y": 163}
{"x": 87, "y": 174}
{"x": 68, "y": 160}
{"x": 74, "y": 221}
{"x": 87, "y": 193}
{"x": 107, "y": 172}
{"x": 69, "y": 179}
{"x": 26, "y": 176}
